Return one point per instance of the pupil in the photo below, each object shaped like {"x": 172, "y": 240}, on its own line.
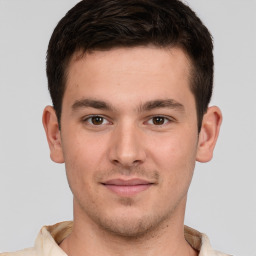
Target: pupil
{"x": 97, "y": 120}
{"x": 158, "y": 120}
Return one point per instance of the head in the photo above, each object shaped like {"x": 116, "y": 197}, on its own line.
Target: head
{"x": 103, "y": 25}
{"x": 130, "y": 83}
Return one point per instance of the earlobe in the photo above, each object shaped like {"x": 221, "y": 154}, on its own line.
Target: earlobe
{"x": 51, "y": 127}
{"x": 209, "y": 134}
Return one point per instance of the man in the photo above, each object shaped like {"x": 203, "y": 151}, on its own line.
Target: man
{"x": 130, "y": 83}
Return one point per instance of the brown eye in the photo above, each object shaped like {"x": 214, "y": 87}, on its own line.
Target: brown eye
{"x": 158, "y": 120}
{"x": 97, "y": 120}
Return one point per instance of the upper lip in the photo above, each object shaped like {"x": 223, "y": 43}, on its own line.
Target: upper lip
{"x": 131, "y": 182}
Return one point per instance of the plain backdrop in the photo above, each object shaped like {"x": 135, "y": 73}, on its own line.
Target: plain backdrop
{"x": 34, "y": 191}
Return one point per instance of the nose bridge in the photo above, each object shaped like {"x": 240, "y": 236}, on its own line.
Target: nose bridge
{"x": 127, "y": 144}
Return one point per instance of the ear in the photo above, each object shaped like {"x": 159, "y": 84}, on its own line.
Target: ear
{"x": 209, "y": 134}
{"x": 52, "y": 131}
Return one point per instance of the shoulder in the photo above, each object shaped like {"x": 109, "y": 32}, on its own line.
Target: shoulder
{"x": 217, "y": 253}
{"x": 207, "y": 250}
{"x": 200, "y": 242}
{"x": 47, "y": 241}
{"x": 24, "y": 252}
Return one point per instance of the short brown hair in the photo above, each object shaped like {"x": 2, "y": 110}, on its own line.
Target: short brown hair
{"x": 104, "y": 24}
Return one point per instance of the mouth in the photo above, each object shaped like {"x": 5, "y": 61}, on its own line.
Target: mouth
{"x": 127, "y": 187}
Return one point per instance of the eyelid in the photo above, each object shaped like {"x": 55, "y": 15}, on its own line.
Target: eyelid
{"x": 169, "y": 119}
{"x": 86, "y": 118}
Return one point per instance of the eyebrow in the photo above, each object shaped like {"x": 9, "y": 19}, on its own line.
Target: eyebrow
{"x": 147, "y": 106}
{"x": 156, "y": 104}
{"x": 90, "y": 103}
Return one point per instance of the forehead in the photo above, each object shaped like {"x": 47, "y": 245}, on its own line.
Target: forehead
{"x": 138, "y": 56}
{"x": 138, "y": 72}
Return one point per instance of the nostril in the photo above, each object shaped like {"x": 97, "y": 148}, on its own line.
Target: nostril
{"x": 127, "y": 164}
{"x": 115, "y": 161}
{"x": 136, "y": 162}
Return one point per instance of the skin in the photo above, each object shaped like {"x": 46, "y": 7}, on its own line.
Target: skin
{"x": 128, "y": 114}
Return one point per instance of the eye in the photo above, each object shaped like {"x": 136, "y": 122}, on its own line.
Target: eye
{"x": 96, "y": 120}
{"x": 158, "y": 120}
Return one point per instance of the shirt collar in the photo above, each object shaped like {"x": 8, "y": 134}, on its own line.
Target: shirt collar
{"x": 50, "y": 237}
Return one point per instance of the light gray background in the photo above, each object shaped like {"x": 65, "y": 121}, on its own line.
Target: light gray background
{"x": 34, "y": 191}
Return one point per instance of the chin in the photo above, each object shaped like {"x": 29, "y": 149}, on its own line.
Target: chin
{"x": 131, "y": 227}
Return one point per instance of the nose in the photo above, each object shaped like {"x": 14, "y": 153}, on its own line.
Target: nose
{"x": 127, "y": 146}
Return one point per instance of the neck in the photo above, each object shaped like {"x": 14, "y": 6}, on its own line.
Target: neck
{"x": 87, "y": 238}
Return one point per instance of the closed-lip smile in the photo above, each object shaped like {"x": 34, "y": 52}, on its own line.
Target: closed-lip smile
{"x": 129, "y": 187}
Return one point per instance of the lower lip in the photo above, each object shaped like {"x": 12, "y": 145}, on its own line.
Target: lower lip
{"x": 128, "y": 190}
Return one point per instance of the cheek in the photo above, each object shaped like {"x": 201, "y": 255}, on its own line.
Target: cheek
{"x": 82, "y": 156}
{"x": 82, "y": 149}
{"x": 174, "y": 149}
{"x": 175, "y": 157}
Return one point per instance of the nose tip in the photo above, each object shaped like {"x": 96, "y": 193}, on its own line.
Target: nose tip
{"x": 127, "y": 148}
{"x": 127, "y": 161}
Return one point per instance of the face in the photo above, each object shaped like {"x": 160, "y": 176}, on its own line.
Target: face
{"x": 129, "y": 137}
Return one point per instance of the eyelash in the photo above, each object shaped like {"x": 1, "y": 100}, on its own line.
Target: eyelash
{"x": 86, "y": 120}
{"x": 167, "y": 120}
